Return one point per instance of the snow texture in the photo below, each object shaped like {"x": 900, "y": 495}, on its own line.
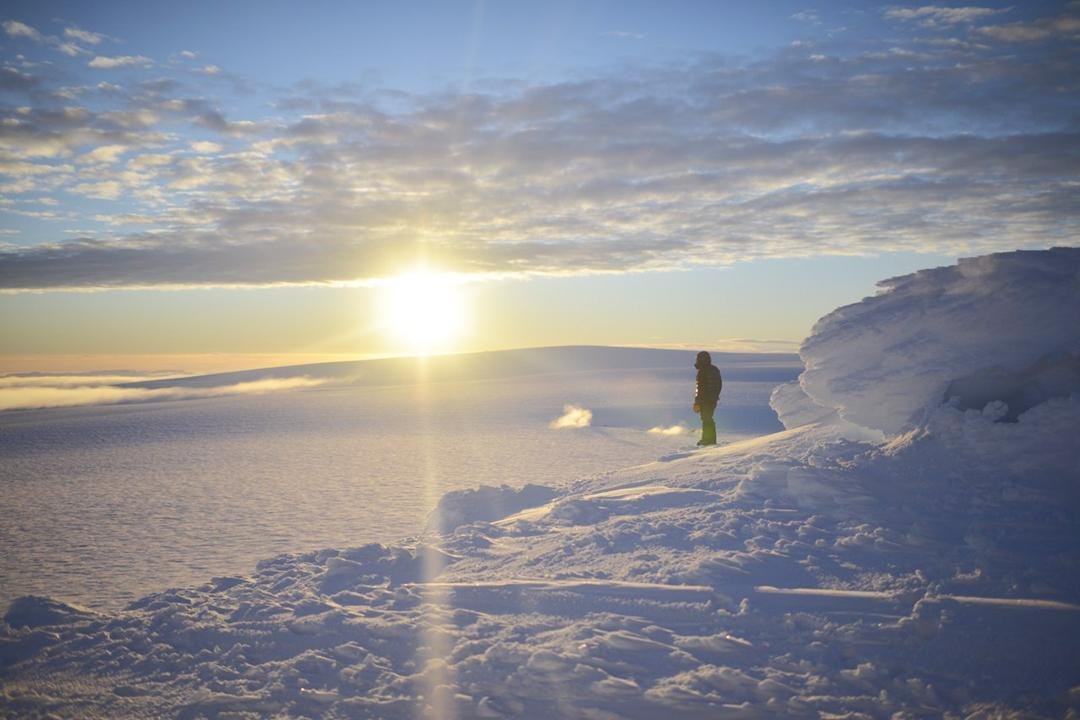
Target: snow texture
{"x": 484, "y": 504}
{"x": 821, "y": 571}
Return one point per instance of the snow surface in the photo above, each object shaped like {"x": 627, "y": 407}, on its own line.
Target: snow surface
{"x": 925, "y": 565}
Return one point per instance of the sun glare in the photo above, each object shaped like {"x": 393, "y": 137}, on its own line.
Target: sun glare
{"x": 423, "y": 309}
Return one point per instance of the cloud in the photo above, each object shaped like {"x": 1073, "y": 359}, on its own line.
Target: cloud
{"x": 105, "y": 190}
{"x": 14, "y": 28}
{"x": 736, "y": 345}
{"x": 806, "y": 16}
{"x": 934, "y": 15}
{"x": 68, "y": 44}
{"x": 1066, "y": 25}
{"x": 83, "y": 36}
{"x": 670, "y": 430}
{"x": 205, "y": 146}
{"x": 573, "y": 417}
{"x": 755, "y": 346}
{"x": 16, "y": 81}
{"x": 70, "y": 49}
{"x": 66, "y": 391}
{"x": 899, "y": 145}
{"x": 70, "y": 380}
{"x": 624, "y": 35}
{"x": 33, "y": 132}
{"x": 103, "y": 62}
{"x": 105, "y": 154}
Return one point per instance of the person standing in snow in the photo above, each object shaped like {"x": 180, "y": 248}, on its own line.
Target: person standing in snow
{"x": 706, "y": 396}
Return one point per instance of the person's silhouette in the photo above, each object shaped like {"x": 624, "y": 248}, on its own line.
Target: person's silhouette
{"x": 706, "y": 396}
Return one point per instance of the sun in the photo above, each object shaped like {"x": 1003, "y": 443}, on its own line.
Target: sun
{"x": 424, "y": 310}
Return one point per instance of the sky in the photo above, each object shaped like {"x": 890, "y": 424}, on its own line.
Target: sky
{"x": 204, "y": 185}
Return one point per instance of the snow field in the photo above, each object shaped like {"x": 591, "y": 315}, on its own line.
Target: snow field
{"x": 715, "y": 585}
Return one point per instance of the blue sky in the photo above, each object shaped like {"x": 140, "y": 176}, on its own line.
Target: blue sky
{"x": 555, "y": 153}
{"x": 417, "y": 45}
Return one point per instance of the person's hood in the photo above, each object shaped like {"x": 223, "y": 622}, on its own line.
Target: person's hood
{"x": 704, "y": 360}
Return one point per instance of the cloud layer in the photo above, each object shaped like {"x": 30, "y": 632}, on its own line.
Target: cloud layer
{"x": 948, "y": 137}
{"x": 64, "y": 392}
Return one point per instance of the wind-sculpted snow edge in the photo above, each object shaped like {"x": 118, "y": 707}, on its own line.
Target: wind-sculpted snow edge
{"x": 1003, "y": 325}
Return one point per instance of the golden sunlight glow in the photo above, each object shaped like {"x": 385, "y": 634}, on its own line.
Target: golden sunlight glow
{"x": 424, "y": 309}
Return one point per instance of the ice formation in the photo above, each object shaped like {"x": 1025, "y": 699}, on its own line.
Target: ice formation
{"x": 994, "y": 327}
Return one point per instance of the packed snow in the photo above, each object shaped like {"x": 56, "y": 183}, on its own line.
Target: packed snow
{"x": 896, "y": 551}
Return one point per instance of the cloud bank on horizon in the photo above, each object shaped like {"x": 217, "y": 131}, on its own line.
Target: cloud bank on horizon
{"x": 954, "y": 131}
{"x": 46, "y": 391}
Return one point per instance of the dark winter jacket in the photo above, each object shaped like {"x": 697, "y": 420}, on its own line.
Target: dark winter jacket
{"x": 709, "y": 382}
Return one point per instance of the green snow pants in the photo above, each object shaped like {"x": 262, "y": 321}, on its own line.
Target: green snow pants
{"x": 708, "y": 425}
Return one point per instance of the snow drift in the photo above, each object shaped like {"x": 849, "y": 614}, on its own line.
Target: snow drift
{"x": 1002, "y": 327}
{"x": 894, "y": 553}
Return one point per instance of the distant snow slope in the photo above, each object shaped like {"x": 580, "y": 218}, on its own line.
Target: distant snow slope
{"x": 494, "y": 365}
{"x": 26, "y": 392}
{"x": 822, "y": 571}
